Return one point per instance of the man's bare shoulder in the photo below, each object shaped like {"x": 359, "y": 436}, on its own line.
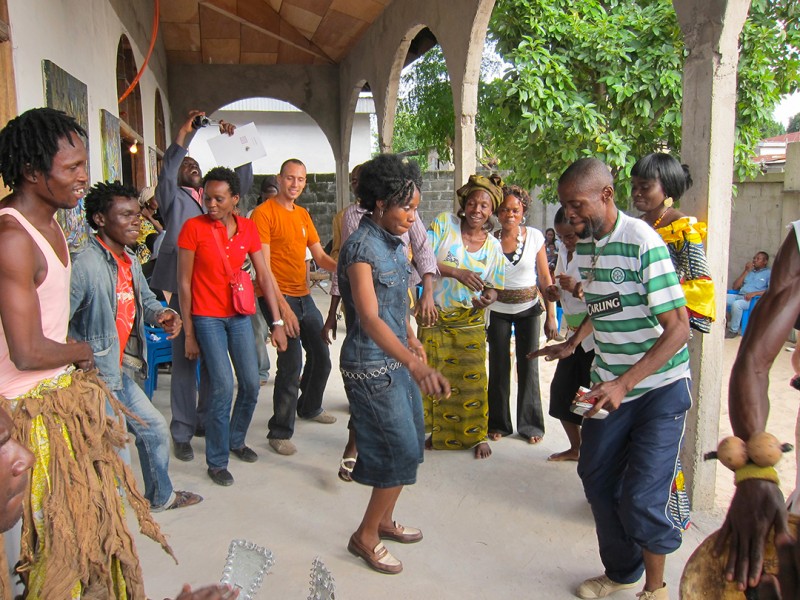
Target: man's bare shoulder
{"x": 12, "y": 233}
{"x": 18, "y": 251}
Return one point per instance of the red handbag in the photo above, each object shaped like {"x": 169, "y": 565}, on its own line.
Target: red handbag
{"x": 244, "y": 295}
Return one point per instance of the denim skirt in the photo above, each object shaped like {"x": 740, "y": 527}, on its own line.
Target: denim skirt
{"x": 386, "y": 413}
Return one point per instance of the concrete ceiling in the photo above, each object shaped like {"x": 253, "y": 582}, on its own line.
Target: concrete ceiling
{"x": 264, "y": 31}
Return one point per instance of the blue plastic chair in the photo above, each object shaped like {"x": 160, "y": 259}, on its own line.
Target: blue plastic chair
{"x": 159, "y": 351}
{"x": 746, "y": 312}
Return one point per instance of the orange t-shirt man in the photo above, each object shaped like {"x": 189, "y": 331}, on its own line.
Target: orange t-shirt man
{"x": 288, "y": 233}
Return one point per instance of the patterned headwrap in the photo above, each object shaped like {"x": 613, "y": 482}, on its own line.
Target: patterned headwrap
{"x": 492, "y": 185}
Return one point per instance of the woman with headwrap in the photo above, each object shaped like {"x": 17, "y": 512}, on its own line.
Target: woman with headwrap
{"x": 471, "y": 264}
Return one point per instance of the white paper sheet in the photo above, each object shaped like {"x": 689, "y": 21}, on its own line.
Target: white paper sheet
{"x": 242, "y": 147}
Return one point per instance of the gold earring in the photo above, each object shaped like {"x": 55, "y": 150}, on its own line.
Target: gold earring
{"x": 668, "y": 202}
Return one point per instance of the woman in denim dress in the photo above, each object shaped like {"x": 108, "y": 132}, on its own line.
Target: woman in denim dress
{"x": 382, "y": 363}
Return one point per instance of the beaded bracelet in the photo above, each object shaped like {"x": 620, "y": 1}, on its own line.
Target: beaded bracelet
{"x": 753, "y": 471}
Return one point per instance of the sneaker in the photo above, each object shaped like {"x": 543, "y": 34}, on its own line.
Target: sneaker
{"x": 324, "y": 417}
{"x": 659, "y": 594}
{"x": 600, "y": 587}
{"x": 285, "y": 447}
{"x": 245, "y": 453}
{"x": 730, "y": 334}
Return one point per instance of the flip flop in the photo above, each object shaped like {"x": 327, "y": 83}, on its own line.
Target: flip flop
{"x": 535, "y": 439}
{"x": 346, "y": 468}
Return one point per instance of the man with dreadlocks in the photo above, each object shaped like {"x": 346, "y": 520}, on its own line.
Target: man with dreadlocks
{"x": 75, "y": 541}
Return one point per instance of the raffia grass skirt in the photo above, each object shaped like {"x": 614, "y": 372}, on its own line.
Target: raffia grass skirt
{"x": 75, "y": 541}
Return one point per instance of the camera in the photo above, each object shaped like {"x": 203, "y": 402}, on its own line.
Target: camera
{"x": 200, "y": 121}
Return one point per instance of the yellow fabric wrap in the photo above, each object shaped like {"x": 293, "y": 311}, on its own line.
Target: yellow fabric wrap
{"x": 699, "y": 292}
{"x": 456, "y": 346}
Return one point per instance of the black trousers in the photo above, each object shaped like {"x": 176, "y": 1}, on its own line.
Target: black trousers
{"x": 530, "y": 419}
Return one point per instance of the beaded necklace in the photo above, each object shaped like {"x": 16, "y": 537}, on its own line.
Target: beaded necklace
{"x": 520, "y": 244}
{"x": 661, "y": 216}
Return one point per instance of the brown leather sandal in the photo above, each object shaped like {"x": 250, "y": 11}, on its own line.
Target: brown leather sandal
{"x": 378, "y": 559}
{"x": 184, "y": 499}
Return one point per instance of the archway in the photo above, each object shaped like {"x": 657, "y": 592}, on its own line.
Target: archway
{"x": 130, "y": 117}
{"x": 285, "y": 131}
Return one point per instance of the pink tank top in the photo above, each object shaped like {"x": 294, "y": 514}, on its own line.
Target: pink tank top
{"x": 54, "y": 308}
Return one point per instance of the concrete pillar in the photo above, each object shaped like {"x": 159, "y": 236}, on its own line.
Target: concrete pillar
{"x": 711, "y": 31}
{"x": 463, "y": 54}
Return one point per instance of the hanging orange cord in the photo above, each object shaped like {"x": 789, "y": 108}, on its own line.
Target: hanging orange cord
{"x": 135, "y": 81}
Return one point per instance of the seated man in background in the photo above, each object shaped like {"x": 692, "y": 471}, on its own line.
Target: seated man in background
{"x": 109, "y": 304}
{"x": 753, "y": 282}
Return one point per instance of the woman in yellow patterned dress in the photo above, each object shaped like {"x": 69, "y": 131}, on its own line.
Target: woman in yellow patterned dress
{"x": 659, "y": 181}
{"x": 471, "y": 263}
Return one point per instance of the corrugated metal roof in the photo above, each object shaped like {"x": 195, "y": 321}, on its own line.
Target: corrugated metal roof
{"x": 364, "y": 105}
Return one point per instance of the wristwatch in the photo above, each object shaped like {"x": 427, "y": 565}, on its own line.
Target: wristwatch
{"x": 278, "y": 322}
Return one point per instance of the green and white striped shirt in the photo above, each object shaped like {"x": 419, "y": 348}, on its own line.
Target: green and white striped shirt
{"x": 631, "y": 281}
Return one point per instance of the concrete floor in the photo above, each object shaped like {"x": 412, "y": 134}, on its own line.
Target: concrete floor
{"x": 512, "y": 526}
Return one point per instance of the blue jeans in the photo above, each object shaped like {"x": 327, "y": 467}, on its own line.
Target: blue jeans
{"x": 627, "y": 465}
{"x": 736, "y": 304}
{"x": 288, "y": 380}
{"x": 218, "y": 337}
{"x": 152, "y": 442}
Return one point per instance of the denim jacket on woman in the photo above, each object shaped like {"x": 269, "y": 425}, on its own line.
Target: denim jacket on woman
{"x": 386, "y": 254}
{"x": 93, "y": 310}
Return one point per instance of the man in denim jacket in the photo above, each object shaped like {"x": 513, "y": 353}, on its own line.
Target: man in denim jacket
{"x": 109, "y": 304}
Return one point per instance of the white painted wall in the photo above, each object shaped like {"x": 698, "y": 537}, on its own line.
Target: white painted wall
{"x": 286, "y": 135}
{"x": 81, "y": 37}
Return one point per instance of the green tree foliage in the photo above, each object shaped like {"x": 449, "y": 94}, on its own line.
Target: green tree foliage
{"x": 425, "y": 117}
{"x": 604, "y": 78}
{"x": 794, "y": 124}
{"x": 772, "y": 128}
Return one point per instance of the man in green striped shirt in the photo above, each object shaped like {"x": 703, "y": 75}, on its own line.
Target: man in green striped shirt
{"x": 640, "y": 375}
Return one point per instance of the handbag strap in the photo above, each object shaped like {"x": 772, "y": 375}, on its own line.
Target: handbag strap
{"x": 225, "y": 260}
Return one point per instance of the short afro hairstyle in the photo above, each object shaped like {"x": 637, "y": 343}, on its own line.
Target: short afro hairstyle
{"x": 226, "y": 175}
{"x": 674, "y": 177}
{"x": 518, "y": 193}
{"x": 101, "y": 196}
{"x": 30, "y": 141}
{"x": 390, "y": 178}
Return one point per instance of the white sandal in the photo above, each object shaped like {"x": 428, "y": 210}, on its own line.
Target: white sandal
{"x": 346, "y": 466}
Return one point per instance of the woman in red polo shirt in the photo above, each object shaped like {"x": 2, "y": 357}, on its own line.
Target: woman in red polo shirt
{"x": 213, "y": 327}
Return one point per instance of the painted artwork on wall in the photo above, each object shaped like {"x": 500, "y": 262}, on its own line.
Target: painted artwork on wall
{"x": 152, "y": 165}
{"x": 65, "y": 92}
{"x": 112, "y": 147}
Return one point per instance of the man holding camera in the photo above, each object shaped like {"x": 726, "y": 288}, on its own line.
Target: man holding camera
{"x": 180, "y": 197}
